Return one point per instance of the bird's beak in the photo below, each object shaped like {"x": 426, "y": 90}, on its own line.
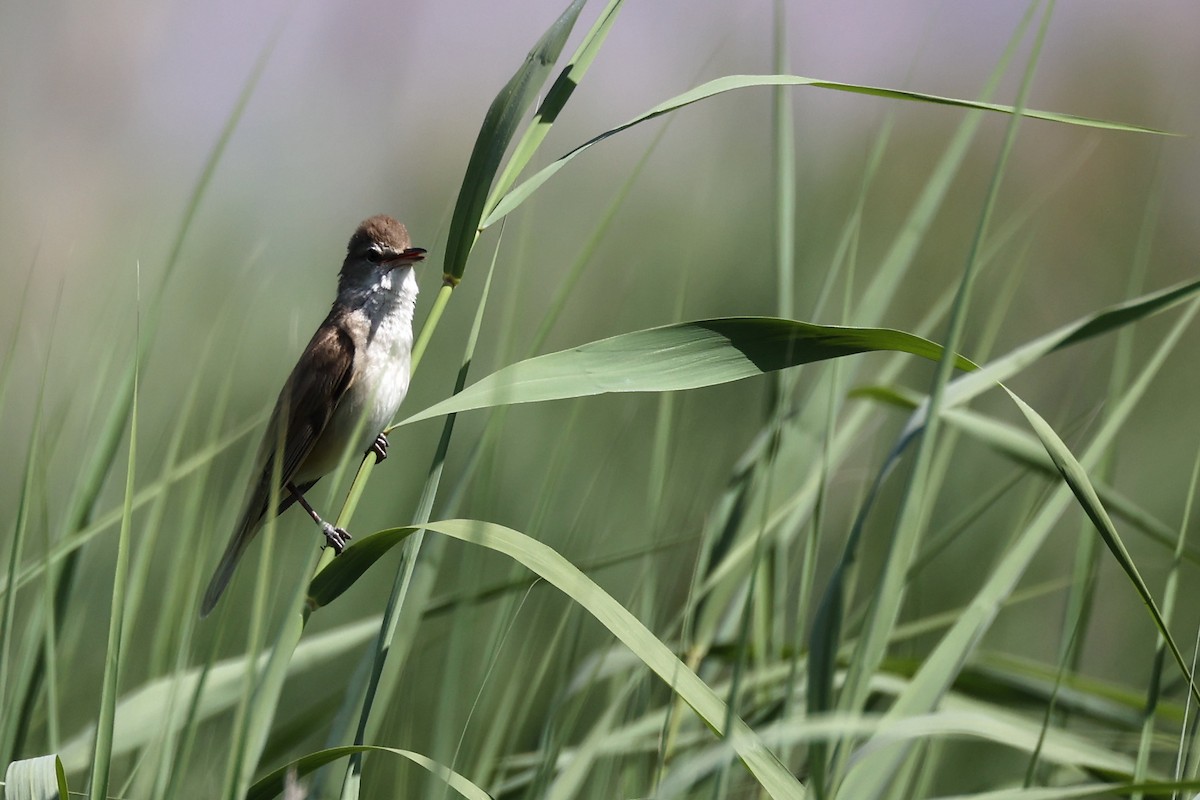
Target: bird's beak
{"x": 410, "y": 256}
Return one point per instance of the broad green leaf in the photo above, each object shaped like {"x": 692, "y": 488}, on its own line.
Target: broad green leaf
{"x": 40, "y": 778}
{"x": 563, "y": 575}
{"x": 499, "y": 126}
{"x": 732, "y": 82}
{"x": 686, "y": 355}
{"x": 273, "y": 784}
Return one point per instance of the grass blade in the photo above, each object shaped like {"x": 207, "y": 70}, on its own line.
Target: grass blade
{"x": 1076, "y": 478}
{"x": 272, "y": 785}
{"x": 556, "y": 98}
{"x": 499, "y": 126}
{"x": 102, "y": 755}
{"x": 733, "y": 82}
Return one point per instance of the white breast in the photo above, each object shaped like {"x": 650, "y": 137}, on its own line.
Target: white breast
{"x": 382, "y": 360}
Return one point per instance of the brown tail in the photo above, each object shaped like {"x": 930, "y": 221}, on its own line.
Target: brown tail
{"x": 247, "y": 527}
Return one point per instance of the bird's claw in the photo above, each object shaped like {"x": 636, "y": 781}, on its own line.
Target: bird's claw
{"x": 335, "y": 538}
{"x": 379, "y": 447}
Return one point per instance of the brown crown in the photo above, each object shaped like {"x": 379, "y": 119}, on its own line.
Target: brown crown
{"x": 380, "y": 229}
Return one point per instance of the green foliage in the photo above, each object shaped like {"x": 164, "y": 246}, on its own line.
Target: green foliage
{"x": 789, "y": 598}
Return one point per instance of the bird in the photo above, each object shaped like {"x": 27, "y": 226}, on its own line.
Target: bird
{"x": 343, "y": 391}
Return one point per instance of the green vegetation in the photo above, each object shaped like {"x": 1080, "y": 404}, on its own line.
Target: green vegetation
{"x": 893, "y": 537}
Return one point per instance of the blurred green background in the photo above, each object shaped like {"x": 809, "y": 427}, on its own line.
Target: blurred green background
{"x": 108, "y": 112}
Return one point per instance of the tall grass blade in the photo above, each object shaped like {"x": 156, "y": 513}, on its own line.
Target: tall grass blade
{"x": 499, "y": 126}
{"x": 556, "y": 98}
{"x": 917, "y": 500}
{"x": 102, "y": 754}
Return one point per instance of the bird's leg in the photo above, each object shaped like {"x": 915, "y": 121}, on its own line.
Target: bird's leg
{"x": 336, "y": 537}
{"x": 379, "y": 447}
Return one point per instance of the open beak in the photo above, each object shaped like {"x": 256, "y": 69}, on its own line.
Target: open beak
{"x": 410, "y": 256}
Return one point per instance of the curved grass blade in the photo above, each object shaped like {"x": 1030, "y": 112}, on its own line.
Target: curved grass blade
{"x": 499, "y": 126}
{"x": 1025, "y": 449}
{"x": 1076, "y": 478}
{"x": 686, "y": 355}
{"x": 556, "y": 570}
{"x": 1110, "y": 319}
{"x": 40, "y": 778}
{"x": 273, "y": 784}
{"x": 731, "y": 82}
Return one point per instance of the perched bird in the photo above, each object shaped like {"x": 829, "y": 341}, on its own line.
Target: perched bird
{"x": 342, "y": 392}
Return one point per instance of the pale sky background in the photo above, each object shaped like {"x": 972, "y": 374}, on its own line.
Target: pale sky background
{"x": 109, "y": 109}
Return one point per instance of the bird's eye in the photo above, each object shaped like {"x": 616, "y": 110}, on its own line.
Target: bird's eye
{"x": 374, "y": 255}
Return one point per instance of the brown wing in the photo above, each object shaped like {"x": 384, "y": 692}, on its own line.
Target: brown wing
{"x": 307, "y": 401}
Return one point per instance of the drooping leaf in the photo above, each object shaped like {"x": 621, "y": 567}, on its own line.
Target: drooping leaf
{"x": 732, "y": 82}
{"x": 273, "y": 784}
{"x": 567, "y": 578}
{"x": 1077, "y": 479}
